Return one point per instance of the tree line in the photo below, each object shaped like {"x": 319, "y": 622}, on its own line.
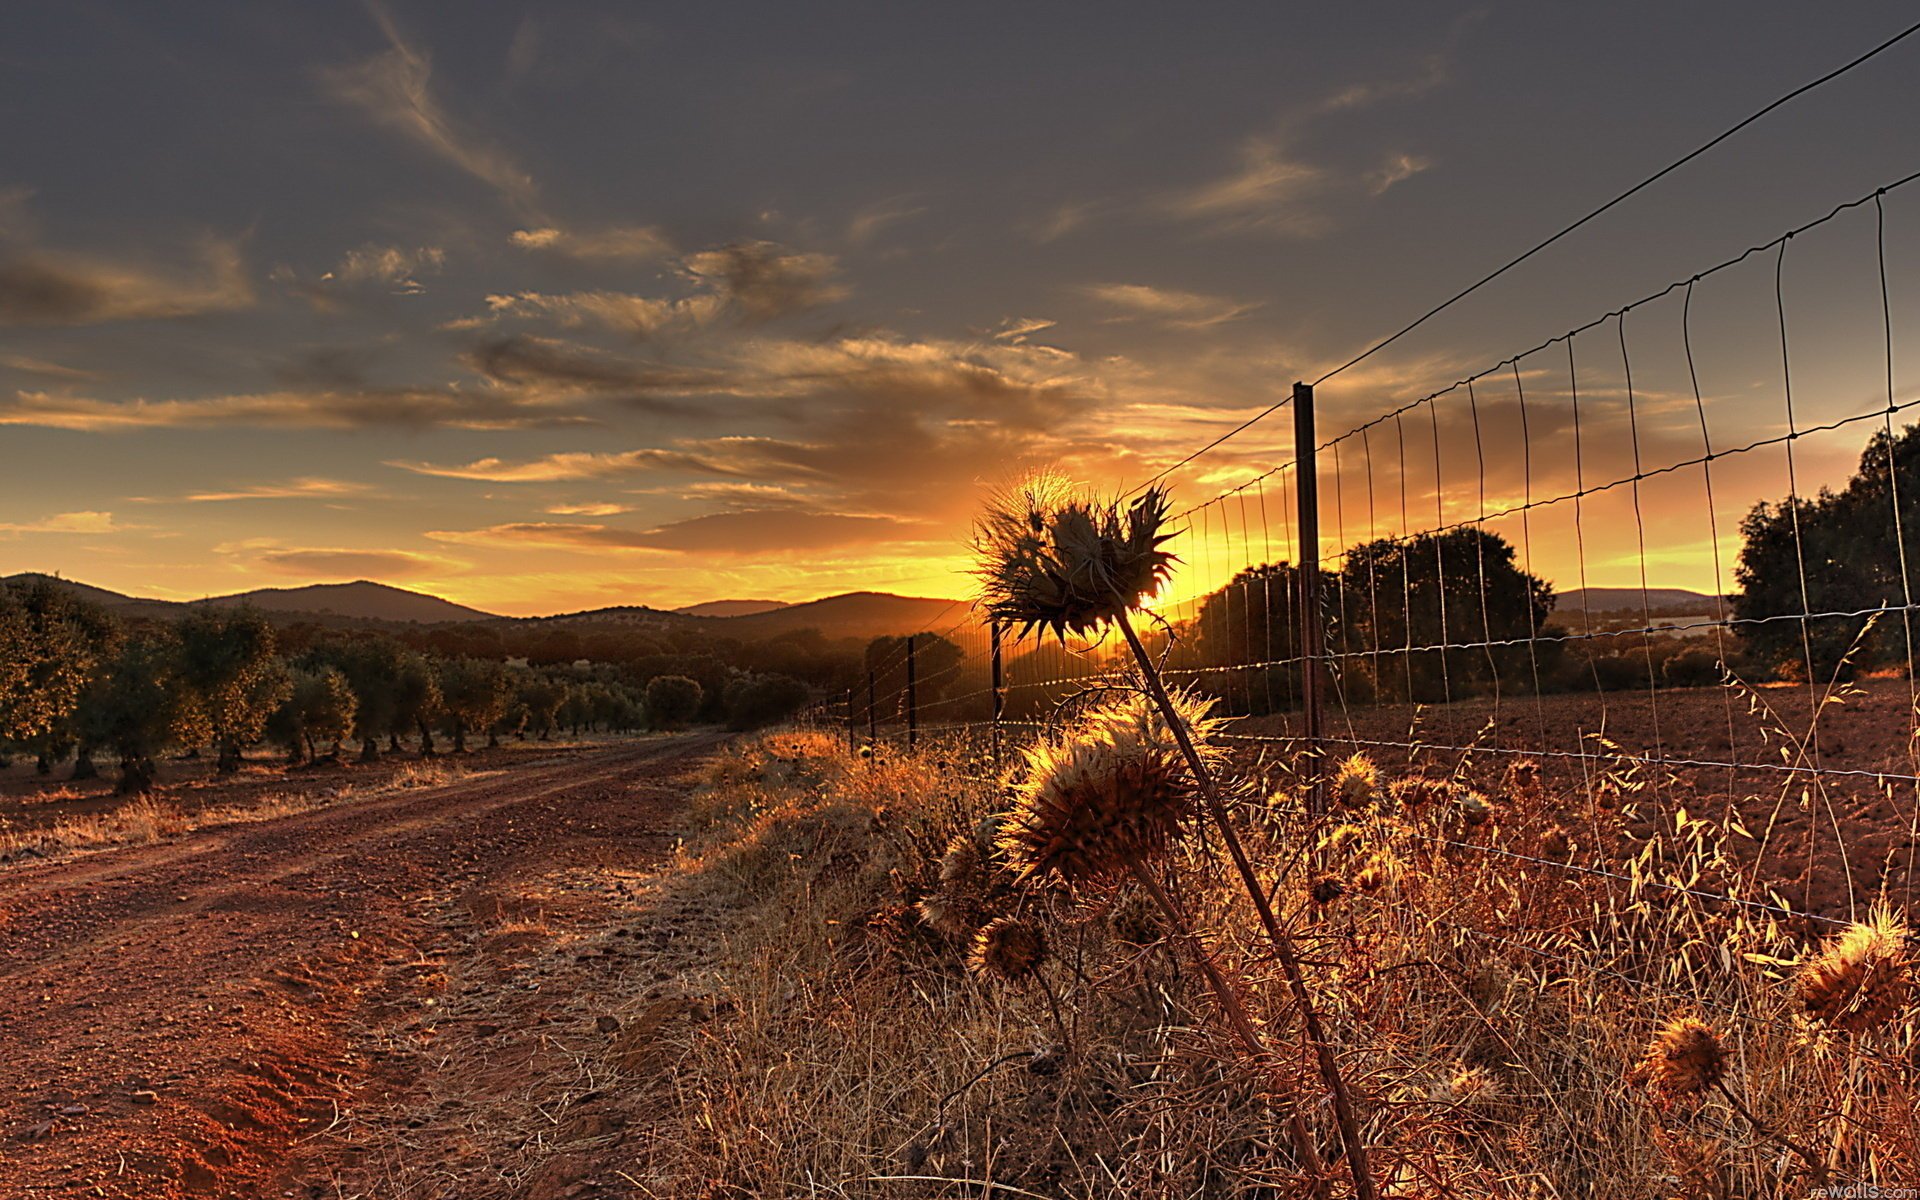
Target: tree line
{"x": 79, "y": 685}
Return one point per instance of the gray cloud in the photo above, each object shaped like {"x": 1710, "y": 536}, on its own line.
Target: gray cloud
{"x": 47, "y": 289}
{"x": 762, "y": 281}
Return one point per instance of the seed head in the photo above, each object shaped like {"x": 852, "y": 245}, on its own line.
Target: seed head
{"x": 1523, "y": 780}
{"x": 1417, "y": 790}
{"x": 1114, "y": 790}
{"x": 1326, "y": 889}
{"x": 1136, "y": 921}
{"x": 1056, "y": 562}
{"x": 1376, "y": 874}
{"x": 1357, "y": 781}
{"x": 1684, "y": 1060}
{"x": 1474, "y": 809}
{"x": 1470, "y": 1091}
{"x": 1008, "y": 948}
{"x": 1860, "y": 979}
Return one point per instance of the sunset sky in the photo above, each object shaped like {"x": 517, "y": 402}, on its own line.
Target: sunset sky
{"x": 542, "y": 307}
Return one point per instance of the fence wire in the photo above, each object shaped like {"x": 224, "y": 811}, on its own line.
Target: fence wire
{"x": 1664, "y": 552}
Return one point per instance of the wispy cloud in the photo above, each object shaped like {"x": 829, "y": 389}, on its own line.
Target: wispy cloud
{"x": 39, "y": 288}
{"x": 394, "y": 88}
{"x": 621, "y": 312}
{"x": 747, "y": 532}
{"x": 628, "y": 243}
{"x": 1397, "y": 169}
{"x": 588, "y": 510}
{"x": 50, "y": 370}
{"x": 394, "y": 267}
{"x": 359, "y": 409}
{"x": 868, "y": 223}
{"x": 1178, "y": 309}
{"x": 292, "y": 489}
{"x": 336, "y": 564}
{"x": 1270, "y": 190}
{"x": 551, "y": 468}
{"x": 69, "y": 522}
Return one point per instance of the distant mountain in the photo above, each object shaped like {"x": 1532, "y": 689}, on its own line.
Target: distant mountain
{"x": 862, "y": 615}
{"x": 1630, "y": 599}
{"x": 854, "y": 615}
{"x": 358, "y": 601}
{"x": 361, "y": 600}
{"x": 730, "y": 608}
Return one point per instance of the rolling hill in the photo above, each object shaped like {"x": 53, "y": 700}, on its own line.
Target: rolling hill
{"x": 1629, "y": 599}
{"x": 854, "y": 615}
{"x": 361, "y": 600}
{"x": 730, "y": 608}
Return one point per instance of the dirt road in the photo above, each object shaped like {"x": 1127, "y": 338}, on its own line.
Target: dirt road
{"x": 189, "y": 1018}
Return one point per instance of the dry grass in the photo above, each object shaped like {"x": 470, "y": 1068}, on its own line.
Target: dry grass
{"x": 1490, "y": 979}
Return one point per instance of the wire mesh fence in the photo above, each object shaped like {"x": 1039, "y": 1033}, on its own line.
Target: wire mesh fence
{"x": 1666, "y": 553}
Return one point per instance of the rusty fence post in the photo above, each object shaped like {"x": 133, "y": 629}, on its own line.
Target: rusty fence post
{"x": 1312, "y": 632}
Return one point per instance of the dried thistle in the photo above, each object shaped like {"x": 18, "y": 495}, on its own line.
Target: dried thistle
{"x": 1135, "y": 921}
{"x": 1472, "y": 806}
{"x": 1378, "y": 872}
{"x": 1055, "y": 562}
{"x": 1861, "y": 977}
{"x": 1684, "y": 1060}
{"x": 1418, "y": 790}
{"x": 1343, "y": 840}
{"x": 1471, "y": 1092}
{"x": 1008, "y": 948}
{"x": 1113, "y": 791}
{"x": 1523, "y": 780}
{"x": 1357, "y": 781}
{"x": 1326, "y": 889}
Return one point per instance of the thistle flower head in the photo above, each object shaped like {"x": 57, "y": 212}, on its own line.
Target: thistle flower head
{"x": 1057, "y": 562}
{"x": 1417, "y": 790}
{"x": 1470, "y": 1090}
{"x": 1860, "y": 979}
{"x": 1327, "y": 888}
{"x": 1357, "y": 781}
{"x": 1008, "y": 948}
{"x": 1684, "y": 1060}
{"x": 1135, "y": 921}
{"x": 1112, "y": 791}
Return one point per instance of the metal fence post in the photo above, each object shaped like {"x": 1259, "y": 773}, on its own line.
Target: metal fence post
{"x": 873, "y": 728}
{"x": 913, "y": 704}
{"x": 1312, "y": 631}
{"x": 850, "y": 738}
{"x": 999, "y": 696}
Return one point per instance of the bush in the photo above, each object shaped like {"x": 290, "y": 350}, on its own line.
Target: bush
{"x": 760, "y": 700}
{"x": 672, "y": 700}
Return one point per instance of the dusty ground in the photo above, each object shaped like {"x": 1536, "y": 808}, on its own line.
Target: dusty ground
{"x": 260, "y": 1009}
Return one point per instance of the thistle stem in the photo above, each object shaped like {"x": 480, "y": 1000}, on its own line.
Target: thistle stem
{"x": 1236, "y": 1013}
{"x": 1282, "y": 944}
{"x": 1760, "y": 1127}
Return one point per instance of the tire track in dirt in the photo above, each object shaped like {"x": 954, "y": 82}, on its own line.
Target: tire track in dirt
{"x": 176, "y": 1017}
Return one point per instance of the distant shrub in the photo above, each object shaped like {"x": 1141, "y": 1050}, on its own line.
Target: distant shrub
{"x": 672, "y": 700}
{"x": 760, "y": 700}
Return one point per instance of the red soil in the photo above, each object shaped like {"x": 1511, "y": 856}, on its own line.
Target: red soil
{"x": 180, "y": 1018}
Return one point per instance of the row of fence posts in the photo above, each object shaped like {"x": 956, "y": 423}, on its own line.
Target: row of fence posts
{"x": 1312, "y": 630}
